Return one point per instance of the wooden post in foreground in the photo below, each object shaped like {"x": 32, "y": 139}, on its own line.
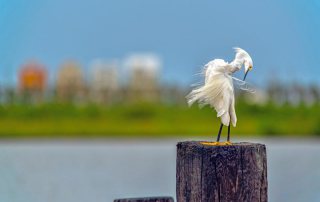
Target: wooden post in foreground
{"x": 235, "y": 173}
{"x": 149, "y": 199}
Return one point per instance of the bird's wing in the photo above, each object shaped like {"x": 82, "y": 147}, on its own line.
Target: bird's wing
{"x": 216, "y": 66}
{"x": 217, "y": 90}
{"x": 220, "y": 92}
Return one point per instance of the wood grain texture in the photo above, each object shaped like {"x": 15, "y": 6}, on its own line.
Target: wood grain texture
{"x": 146, "y": 199}
{"x": 221, "y": 173}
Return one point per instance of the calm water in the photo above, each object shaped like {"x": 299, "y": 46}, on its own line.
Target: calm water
{"x": 99, "y": 171}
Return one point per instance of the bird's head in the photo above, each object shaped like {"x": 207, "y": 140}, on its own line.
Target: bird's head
{"x": 246, "y": 60}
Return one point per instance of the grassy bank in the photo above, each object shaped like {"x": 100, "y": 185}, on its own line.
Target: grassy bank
{"x": 66, "y": 120}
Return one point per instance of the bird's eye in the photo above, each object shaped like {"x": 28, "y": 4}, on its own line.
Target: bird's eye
{"x": 250, "y": 67}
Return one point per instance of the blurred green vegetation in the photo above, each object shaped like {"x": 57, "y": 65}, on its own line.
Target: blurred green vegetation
{"x": 152, "y": 120}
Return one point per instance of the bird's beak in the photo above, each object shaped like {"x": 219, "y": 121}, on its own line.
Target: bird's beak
{"x": 245, "y": 75}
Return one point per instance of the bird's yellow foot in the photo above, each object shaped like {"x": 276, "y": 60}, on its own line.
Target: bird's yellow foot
{"x": 212, "y": 143}
{"x": 228, "y": 143}
{"x": 216, "y": 143}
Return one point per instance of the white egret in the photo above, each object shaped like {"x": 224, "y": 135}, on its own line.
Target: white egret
{"x": 218, "y": 91}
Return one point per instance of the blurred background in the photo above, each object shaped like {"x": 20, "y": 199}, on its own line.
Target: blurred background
{"x": 92, "y": 93}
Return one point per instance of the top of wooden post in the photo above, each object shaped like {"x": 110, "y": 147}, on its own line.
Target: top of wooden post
{"x": 196, "y": 145}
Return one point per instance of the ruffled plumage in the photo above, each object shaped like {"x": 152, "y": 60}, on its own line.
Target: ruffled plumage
{"x": 217, "y": 90}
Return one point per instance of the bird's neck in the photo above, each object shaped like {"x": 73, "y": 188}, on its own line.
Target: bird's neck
{"x": 237, "y": 64}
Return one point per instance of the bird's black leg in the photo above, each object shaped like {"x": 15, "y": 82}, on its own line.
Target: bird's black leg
{"x": 220, "y": 130}
{"x": 228, "y": 139}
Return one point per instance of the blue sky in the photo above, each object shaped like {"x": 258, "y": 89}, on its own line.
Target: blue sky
{"x": 282, "y": 36}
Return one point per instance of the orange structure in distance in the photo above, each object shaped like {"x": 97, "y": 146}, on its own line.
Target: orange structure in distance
{"x": 33, "y": 77}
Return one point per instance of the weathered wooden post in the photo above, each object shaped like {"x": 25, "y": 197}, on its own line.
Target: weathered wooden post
{"x": 147, "y": 199}
{"x": 234, "y": 173}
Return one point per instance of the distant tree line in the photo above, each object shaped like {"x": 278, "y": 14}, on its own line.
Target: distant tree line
{"x": 103, "y": 85}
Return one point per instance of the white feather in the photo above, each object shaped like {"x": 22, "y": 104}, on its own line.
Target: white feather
{"x": 242, "y": 85}
{"x": 217, "y": 90}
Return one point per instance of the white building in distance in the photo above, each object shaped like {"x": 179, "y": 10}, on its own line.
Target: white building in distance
{"x": 104, "y": 81}
{"x": 143, "y": 81}
{"x": 70, "y": 82}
